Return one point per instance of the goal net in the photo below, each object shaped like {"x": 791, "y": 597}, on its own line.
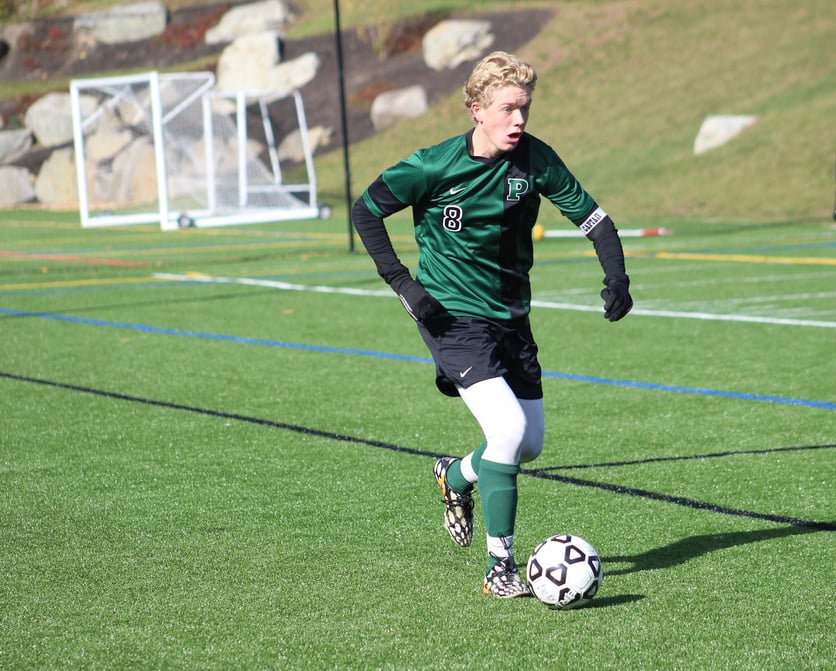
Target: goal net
{"x": 166, "y": 148}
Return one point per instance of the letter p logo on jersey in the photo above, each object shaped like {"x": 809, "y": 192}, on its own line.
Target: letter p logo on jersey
{"x": 517, "y": 188}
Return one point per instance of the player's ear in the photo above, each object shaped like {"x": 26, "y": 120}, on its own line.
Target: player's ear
{"x": 476, "y": 112}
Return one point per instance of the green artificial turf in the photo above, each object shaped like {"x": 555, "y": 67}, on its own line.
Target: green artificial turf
{"x": 210, "y": 474}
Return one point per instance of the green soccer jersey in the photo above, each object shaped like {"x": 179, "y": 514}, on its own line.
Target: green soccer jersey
{"x": 473, "y": 220}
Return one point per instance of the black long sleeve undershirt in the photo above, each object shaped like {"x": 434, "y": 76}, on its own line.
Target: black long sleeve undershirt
{"x": 609, "y": 250}
{"x": 375, "y": 237}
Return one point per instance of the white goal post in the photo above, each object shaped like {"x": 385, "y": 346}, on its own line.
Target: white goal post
{"x": 168, "y": 149}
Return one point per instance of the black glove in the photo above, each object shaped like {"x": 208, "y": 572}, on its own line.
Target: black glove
{"x": 417, "y": 301}
{"x": 617, "y": 299}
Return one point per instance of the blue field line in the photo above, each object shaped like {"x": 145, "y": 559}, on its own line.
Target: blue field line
{"x": 825, "y": 405}
{"x": 243, "y": 340}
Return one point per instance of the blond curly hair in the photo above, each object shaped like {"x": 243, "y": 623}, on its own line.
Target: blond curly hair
{"x": 495, "y": 71}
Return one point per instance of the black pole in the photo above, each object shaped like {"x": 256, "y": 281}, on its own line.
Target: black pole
{"x": 344, "y": 119}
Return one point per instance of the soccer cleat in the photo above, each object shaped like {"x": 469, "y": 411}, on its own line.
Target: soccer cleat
{"x": 504, "y": 580}
{"x": 458, "y": 508}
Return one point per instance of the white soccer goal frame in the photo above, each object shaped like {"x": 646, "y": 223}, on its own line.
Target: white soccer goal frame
{"x": 300, "y": 198}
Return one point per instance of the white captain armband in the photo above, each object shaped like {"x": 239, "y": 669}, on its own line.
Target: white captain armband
{"x": 595, "y": 217}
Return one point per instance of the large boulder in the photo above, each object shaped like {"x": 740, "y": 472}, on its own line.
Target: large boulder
{"x": 125, "y": 23}
{"x": 451, "y": 43}
{"x": 292, "y": 149}
{"x": 18, "y": 186}
{"x": 244, "y": 64}
{"x": 14, "y": 143}
{"x": 391, "y": 107}
{"x": 252, "y": 64}
{"x": 251, "y": 19}
{"x": 293, "y": 74}
{"x": 106, "y": 142}
{"x": 56, "y": 185}
{"x": 718, "y": 129}
{"x": 50, "y": 119}
{"x": 131, "y": 179}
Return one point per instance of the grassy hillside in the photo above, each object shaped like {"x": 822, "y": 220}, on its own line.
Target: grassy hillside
{"x": 624, "y": 87}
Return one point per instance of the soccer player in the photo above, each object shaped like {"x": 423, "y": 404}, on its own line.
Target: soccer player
{"x": 475, "y": 199}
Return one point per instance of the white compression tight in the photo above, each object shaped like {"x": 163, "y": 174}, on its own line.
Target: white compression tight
{"x": 513, "y": 427}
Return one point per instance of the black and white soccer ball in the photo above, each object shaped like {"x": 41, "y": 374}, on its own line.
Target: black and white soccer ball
{"x": 564, "y": 572}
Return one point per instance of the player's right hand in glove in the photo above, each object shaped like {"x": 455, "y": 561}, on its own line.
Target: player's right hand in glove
{"x": 617, "y": 299}
{"x": 418, "y": 302}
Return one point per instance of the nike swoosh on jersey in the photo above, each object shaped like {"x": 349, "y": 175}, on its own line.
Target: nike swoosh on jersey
{"x": 465, "y": 371}
{"x": 453, "y": 192}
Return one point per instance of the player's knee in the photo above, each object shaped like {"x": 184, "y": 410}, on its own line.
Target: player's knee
{"x": 506, "y": 441}
{"x": 532, "y": 443}
{"x": 530, "y": 451}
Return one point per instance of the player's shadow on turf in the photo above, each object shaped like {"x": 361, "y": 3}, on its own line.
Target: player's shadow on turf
{"x": 685, "y": 549}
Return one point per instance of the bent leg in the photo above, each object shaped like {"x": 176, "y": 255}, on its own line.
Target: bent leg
{"x": 503, "y": 421}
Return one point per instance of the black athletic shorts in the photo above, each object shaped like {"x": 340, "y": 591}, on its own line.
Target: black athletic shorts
{"x": 467, "y": 350}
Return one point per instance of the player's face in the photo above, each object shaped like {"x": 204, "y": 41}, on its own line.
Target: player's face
{"x": 500, "y": 125}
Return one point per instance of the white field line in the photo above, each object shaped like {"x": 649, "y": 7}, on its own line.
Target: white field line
{"x": 705, "y": 316}
{"x": 272, "y": 284}
{"x": 549, "y": 305}
{"x": 820, "y": 276}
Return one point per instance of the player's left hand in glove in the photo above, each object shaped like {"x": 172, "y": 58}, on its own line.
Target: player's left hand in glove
{"x": 617, "y": 299}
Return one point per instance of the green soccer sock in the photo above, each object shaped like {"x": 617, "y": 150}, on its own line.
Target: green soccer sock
{"x": 476, "y": 460}
{"x": 498, "y": 489}
{"x": 455, "y": 480}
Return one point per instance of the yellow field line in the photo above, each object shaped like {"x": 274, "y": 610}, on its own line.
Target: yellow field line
{"x": 279, "y": 244}
{"x": 77, "y": 283}
{"x": 747, "y": 258}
